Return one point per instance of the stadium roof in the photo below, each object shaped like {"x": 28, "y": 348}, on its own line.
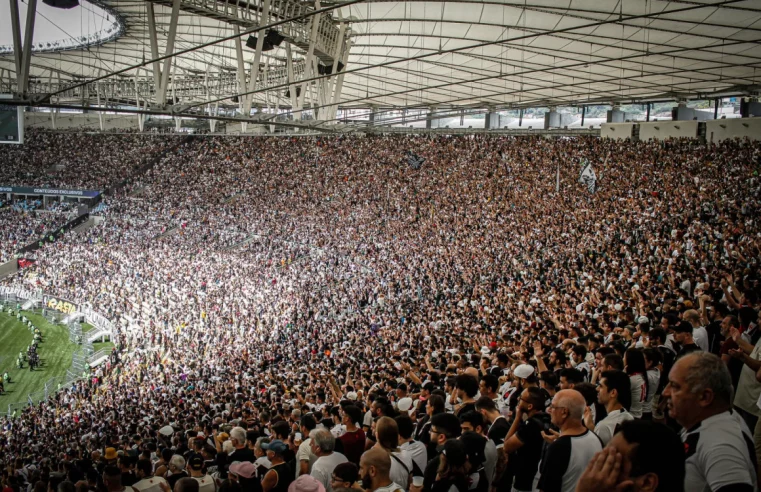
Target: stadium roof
{"x": 415, "y": 54}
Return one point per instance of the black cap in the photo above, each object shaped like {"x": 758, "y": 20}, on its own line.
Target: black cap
{"x": 475, "y": 445}
{"x": 454, "y": 450}
{"x": 196, "y": 462}
{"x": 683, "y": 327}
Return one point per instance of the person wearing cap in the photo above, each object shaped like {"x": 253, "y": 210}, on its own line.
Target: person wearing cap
{"x": 280, "y": 475}
{"x": 454, "y": 469}
{"x": 244, "y": 473}
{"x": 444, "y": 427}
{"x": 195, "y": 468}
{"x": 683, "y": 335}
{"x": 475, "y": 452}
{"x": 323, "y": 446}
{"x": 146, "y": 481}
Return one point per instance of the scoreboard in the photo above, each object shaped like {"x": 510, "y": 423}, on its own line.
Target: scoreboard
{"x": 11, "y": 122}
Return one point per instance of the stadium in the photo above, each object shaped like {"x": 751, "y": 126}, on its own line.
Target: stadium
{"x": 419, "y": 246}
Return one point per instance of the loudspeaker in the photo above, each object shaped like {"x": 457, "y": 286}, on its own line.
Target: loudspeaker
{"x": 251, "y": 43}
{"x": 273, "y": 37}
{"x": 298, "y": 92}
{"x": 328, "y": 69}
{"x": 61, "y": 4}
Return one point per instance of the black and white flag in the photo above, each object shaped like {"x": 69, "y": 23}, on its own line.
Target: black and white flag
{"x": 588, "y": 177}
{"x": 414, "y": 160}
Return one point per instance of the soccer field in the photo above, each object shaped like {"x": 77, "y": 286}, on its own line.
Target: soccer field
{"x": 55, "y": 353}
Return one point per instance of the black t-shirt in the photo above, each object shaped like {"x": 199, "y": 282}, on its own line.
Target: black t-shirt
{"x": 526, "y": 459}
{"x": 172, "y": 480}
{"x": 129, "y": 479}
{"x": 243, "y": 454}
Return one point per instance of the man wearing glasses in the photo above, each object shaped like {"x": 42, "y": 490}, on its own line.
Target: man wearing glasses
{"x": 571, "y": 450}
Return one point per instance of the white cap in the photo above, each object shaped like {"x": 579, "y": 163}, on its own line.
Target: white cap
{"x": 523, "y": 371}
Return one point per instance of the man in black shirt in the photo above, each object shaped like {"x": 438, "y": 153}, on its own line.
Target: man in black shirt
{"x": 241, "y": 451}
{"x": 524, "y": 440}
{"x": 498, "y": 426}
{"x": 683, "y": 335}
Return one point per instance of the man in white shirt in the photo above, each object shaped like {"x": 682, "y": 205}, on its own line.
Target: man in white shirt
{"x": 374, "y": 469}
{"x": 323, "y": 444}
{"x": 614, "y": 393}
{"x": 699, "y": 333}
{"x": 415, "y": 449}
{"x": 195, "y": 468}
{"x": 147, "y": 482}
{"x": 305, "y": 458}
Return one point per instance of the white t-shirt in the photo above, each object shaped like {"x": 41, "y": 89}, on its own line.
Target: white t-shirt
{"x": 206, "y": 484}
{"x": 151, "y": 484}
{"x": 399, "y": 473}
{"x": 606, "y": 428}
{"x": 303, "y": 454}
{"x": 700, "y": 336}
{"x": 322, "y": 470}
{"x": 418, "y": 453}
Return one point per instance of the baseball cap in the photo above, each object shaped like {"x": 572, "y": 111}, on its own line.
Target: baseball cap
{"x": 475, "y": 446}
{"x": 244, "y": 469}
{"x": 277, "y": 446}
{"x": 196, "y": 462}
{"x": 523, "y": 371}
{"x": 683, "y": 327}
{"x": 454, "y": 450}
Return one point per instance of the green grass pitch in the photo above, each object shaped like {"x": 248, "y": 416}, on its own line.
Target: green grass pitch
{"x": 55, "y": 353}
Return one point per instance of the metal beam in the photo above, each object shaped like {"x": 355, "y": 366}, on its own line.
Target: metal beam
{"x": 16, "y": 28}
{"x": 154, "y": 42}
{"x": 161, "y": 92}
{"x": 248, "y": 99}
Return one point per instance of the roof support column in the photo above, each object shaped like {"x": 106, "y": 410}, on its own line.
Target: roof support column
{"x": 249, "y": 98}
{"x": 154, "y": 42}
{"x": 161, "y": 90}
{"x": 292, "y": 91}
{"x": 336, "y": 95}
{"x": 22, "y": 54}
{"x": 309, "y": 70}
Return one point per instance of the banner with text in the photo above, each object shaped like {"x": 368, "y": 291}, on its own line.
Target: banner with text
{"x": 59, "y": 304}
{"x": 28, "y": 190}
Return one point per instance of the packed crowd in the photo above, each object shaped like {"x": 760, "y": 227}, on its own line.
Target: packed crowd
{"x": 19, "y": 228}
{"x": 313, "y": 313}
{"x": 77, "y": 160}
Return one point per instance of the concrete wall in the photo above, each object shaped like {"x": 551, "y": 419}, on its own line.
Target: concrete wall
{"x": 718, "y": 130}
{"x": 684, "y": 113}
{"x": 617, "y": 131}
{"x": 661, "y": 130}
{"x": 68, "y": 121}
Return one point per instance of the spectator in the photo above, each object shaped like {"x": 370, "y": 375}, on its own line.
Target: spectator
{"x": 615, "y": 393}
{"x": 569, "y": 454}
{"x": 323, "y": 446}
{"x": 715, "y": 439}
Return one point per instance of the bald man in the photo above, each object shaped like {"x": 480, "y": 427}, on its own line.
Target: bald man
{"x": 374, "y": 469}
{"x": 568, "y": 455}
